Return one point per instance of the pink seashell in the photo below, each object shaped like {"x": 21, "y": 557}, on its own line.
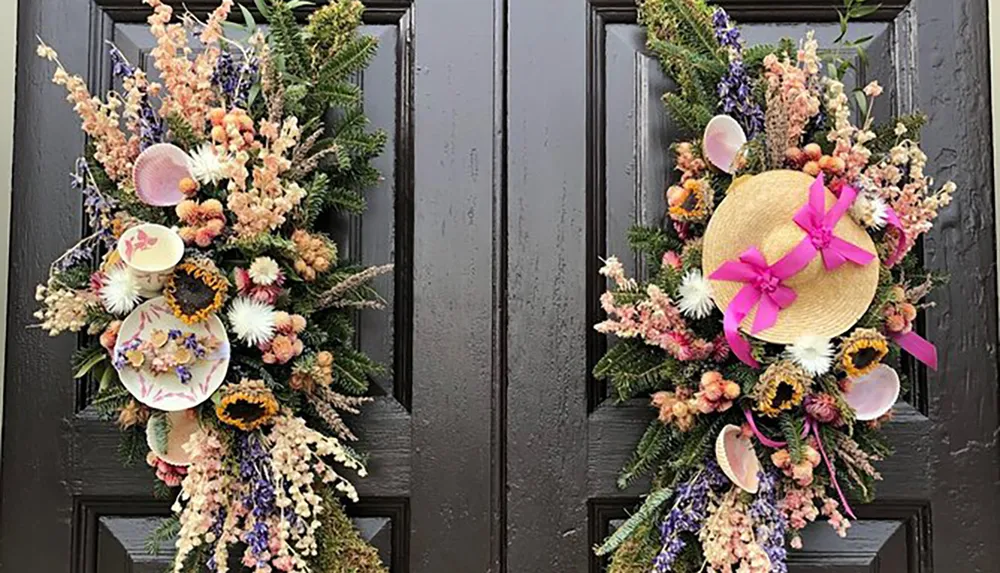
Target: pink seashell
{"x": 735, "y": 454}
{"x": 158, "y": 173}
{"x": 873, "y": 394}
{"x": 723, "y": 142}
{"x": 183, "y": 424}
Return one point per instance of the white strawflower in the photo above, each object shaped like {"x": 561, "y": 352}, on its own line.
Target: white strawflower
{"x": 120, "y": 292}
{"x": 251, "y": 320}
{"x": 813, "y": 353}
{"x": 695, "y": 294}
{"x": 264, "y": 271}
{"x": 206, "y": 165}
{"x": 870, "y": 210}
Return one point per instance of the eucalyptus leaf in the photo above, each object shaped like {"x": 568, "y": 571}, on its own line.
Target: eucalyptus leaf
{"x": 248, "y": 18}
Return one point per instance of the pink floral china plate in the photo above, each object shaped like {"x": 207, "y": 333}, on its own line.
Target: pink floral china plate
{"x": 167, "y": 364}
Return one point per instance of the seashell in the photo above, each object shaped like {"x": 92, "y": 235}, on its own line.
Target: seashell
{"x": 873, "y": 394}
{"x": 179, "y": 426}
{"x": 723, "y": 142}
{"x": 737, "y": 458}
{"x": 158, "y": 173}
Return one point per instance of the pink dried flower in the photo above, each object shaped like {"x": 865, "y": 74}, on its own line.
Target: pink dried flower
{"x": 823, "y": 408}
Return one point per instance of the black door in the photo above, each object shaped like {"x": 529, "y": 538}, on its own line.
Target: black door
{"x": 528, "y": 135}
{"x": 588, "y": 154}
{"x": 67, "y": 503}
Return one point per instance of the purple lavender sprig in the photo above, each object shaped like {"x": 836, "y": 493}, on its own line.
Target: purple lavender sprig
{"x": 689, "y": 512}
{"x": 770, "y": 524}
{"x": 254, "y": 462}
{"x": 734, "y": 89}
{"x": 152, "y": 128}
{"x": 235, "y": 80}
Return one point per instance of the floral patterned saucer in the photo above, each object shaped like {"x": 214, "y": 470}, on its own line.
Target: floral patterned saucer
{"x": 180, "y": 388}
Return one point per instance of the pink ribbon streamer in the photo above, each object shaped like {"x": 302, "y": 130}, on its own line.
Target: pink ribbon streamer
{"x": 918, "y": 346}
{"x": 819, "y": 225}
{"x": 810, "y": 426}
{"x": 762, "y": 288}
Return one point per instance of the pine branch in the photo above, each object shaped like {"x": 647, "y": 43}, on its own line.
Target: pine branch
{"x": 791, "y": 428}
{"x": 164, "y": 534}
{"x": 654, "y": 444}
{"x": 646, "y": 511}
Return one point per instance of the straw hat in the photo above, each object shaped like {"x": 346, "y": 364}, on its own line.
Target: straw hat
{"x": 757, "y": 212}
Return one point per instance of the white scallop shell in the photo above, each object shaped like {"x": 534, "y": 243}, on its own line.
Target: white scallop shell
{"x": 183, "y": 424}
{"x": 737, "y": 458}
{"x": 874, "y": 394}
{"x": 723, "y": 142}
{"x": 158, "y": 172}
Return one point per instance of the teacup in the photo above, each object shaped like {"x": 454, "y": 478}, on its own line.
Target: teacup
{"x": 151, "y": 252}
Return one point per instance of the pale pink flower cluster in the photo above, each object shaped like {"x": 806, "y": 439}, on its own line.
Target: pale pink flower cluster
{"x": 188, "y": 82}
{"x": 654, "y": 318}
{"x": 263, "y": 207}
{"x": 792, "y": 88}
{"x": 101, "y": 121}
{"x": 801, "y": 472}
{"x": 298, "y": 456}
{"x": 849, "y": 141}
{"x": 727, "y": 538}
{"x": 799, "y": 506}
{"x": 899, "y": 179}
{"x": 63, "y": 309}
{"x": 203, "y": 495}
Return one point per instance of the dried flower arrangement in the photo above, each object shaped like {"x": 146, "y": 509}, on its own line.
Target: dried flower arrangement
{"x": 220, "y": 315}
{"x": 782, "y": 282}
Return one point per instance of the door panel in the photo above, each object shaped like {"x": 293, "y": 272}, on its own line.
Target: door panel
{"x": 590, "y": 150}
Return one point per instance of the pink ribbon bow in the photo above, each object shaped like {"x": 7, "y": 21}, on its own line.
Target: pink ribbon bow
{"x": 811, "y": 425}
{"x": 763, "y": 288}
{"x": 819, "y": 224}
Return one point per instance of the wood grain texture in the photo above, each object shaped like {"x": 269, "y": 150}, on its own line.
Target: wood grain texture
{"x": 451, "y": 508}
{"x": 953, "y": 67}
{"x": 547, "y": 432}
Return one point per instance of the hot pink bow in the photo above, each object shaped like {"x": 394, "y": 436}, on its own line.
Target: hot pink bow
{"x": 819, "y": 224}
{"x": 763, "y": 288}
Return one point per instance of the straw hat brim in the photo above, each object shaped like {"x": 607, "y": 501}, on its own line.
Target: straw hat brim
{"x": 758, "y": 212}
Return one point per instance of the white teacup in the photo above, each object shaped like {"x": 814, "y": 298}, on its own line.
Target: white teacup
{"x": 151, "y": 252}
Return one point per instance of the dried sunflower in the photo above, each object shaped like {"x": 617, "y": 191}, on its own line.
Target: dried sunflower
{"x": 862, "y": 351}
{"x": 196, "y": 290}
{"x": 247, "y": 405}
{"x": 781, "y": 387}
{"x": 691, "y": 201}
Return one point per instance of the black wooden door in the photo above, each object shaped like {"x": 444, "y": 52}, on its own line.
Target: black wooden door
{"x": 67, "y": 503}
{"x": 587, "y": 156}
{"x": 527, "y": 136}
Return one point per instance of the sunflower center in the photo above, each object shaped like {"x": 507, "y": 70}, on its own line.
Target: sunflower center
{"x": 863, "y": 357}
{"x": 691, "y": 201}
{"x": 244, "y": 410}
{"x": 192, "y": 294}
{"x": 782, "y": 395}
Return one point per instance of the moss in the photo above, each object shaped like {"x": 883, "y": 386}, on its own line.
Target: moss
{"x": 341, "y": 547}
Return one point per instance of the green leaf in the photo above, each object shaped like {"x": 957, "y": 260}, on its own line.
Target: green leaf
{"x": 864, "y": 11}
{"x": 96, "y": 358}
{"x": 649, "y": 507}
{"x": 248, "y": 18}
{"x": 862, "y": 101}
{"x": 263, "y": 8}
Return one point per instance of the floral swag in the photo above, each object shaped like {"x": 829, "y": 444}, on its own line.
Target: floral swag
{"x": 782, "y": 286}
{"x": 220, "y": 315}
